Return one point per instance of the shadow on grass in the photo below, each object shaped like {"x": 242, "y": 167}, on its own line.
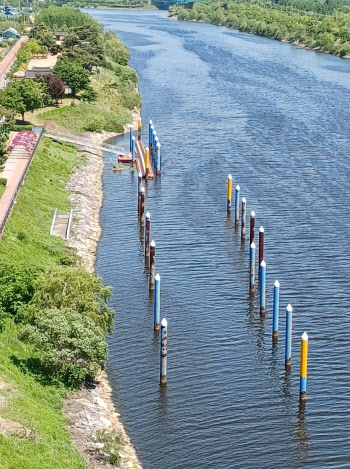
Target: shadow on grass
{"x": 33, "y": 366}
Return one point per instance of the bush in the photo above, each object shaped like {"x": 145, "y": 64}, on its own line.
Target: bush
{"x": 16, "y": 287}
{"x": 115, "y": 49}
{"x": 89, "y": 95}
{"x": 131, "y": 99}
{"x": 9, "y": 116}
{"x": 125, "y": 73}
{"x": 115, "y": 124}
{"x": 71, "y": 346}
{"x": 77, "y": 289}
{"x": 95, "y": 124}
{"x": 18, "y": 128}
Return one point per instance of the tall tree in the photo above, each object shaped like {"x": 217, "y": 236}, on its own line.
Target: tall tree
{"x": 55, "y": 86}
{"x": 73, "y": 74}
{"x": 22, "y": 96}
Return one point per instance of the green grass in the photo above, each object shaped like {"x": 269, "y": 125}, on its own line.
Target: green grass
{"x": 27, "y": 242}
{"x": 27, "y": 235}
{"x": 48, "y": 444}
{"x": 78, "y": 118}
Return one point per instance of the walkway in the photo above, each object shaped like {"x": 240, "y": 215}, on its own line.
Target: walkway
{"x": 15, "y": 170}
{"x": 61, "y": 223}
{"x": 84, "y": 142}
{"x": 5, "y": 65}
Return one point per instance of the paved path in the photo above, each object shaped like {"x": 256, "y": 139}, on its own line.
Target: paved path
{"x": 5, "y": 65}
{"x": 84, "y": 142}
{"x": 15, "y": 169}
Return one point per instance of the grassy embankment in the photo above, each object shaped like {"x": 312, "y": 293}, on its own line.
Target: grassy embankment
{"x": 54, "y": 315}
{"x": 43, "y": 443}
{"x": 312, "y": 24}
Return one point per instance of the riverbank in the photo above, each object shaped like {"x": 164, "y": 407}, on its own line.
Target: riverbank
{"x": 303, "y": 26}
{"x": 92, "y": 414}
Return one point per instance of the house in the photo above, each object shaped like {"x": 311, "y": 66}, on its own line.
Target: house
{"x": 9, "y": 12}
{"x": 35, "y": 72}
{"x": 59, "y": 35}
{"x": 10, "y": 33}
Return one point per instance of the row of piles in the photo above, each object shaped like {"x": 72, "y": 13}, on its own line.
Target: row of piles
{"x": 262, "y": 284}
{"x": 153, "y": 151}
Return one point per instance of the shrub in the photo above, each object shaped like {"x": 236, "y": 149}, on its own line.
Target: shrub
{"x": 126, "y": 73}
{"x": 131, "y": 99}
{"x": 95, "y": 124}
{"x": 115, "y": 123}
{"x": 16, "y": 287}
{"x": 75, "y": 288}
{"x": 71, "y": 346}
{"x": 115, "y": 49}
{"x": 9, "y": 116}
{"x": 89, "y": 95}
{"x": 18, "y": 128}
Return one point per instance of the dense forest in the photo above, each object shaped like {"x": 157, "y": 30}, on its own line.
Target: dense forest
{"x": 319, "y": 25}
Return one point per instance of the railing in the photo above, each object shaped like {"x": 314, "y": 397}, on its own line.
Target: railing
{"x": 20, "y": 182}
{"x": 53, "y": 221}
{"x": 85, "y": 142}
{"x": 69, "y": 224}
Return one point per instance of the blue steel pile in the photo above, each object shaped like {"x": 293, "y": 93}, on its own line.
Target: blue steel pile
{"x": 262, "y": 285}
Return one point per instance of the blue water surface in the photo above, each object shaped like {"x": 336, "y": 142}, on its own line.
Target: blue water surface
{"x": 277, "y": 119}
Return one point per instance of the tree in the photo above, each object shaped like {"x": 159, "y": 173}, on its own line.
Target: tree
{"x": 69, "y": 287}
{"x": 115, "y": 49}
{"x": 89, "y": 95}
{"x": 22, "y": 96}
{"x": 84, "y": 44}
{"x": 73, "y": 74}
{"x": 55, "y": 86}
{"x": 43, "y": 35}
{"x": 65, "y": 17}
{"x": 9, "y": 115}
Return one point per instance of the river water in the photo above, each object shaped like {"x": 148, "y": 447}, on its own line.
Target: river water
{"x": 277, "y": 118}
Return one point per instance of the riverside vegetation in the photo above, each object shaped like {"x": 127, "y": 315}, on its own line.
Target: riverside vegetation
{"x": 54, "y": 315}
{"x": 92, "y": 64}
{"x": 320, "y": 25}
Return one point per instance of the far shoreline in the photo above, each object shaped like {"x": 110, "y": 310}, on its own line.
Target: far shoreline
{"x": 295, "y": 44}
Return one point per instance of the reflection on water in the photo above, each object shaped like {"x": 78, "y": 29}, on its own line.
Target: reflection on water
{"x": 278, "y": 120}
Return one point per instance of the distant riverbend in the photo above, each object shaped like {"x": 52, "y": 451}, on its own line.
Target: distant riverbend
{"x": 278, "y": 119}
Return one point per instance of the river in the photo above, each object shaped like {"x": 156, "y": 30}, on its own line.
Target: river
{"x": 277, "y": 118}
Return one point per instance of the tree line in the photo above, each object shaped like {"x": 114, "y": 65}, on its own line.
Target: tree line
{"x": 83, "y": 49}
{"x": 319, "y": 25}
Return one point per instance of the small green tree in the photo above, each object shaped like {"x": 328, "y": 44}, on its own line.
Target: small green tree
{"x": 75, "y": 288}
{"x": 22, "y": 96}
{"x": 9, "y": 115}
{"x": 89, "y": 95}
{"x": 73, "y": 74}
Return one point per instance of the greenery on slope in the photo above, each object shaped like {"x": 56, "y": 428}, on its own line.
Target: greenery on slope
{"x": 43, "y": 346}
{"x": 317, "y": 25}
{"x": 94, "y": 65}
